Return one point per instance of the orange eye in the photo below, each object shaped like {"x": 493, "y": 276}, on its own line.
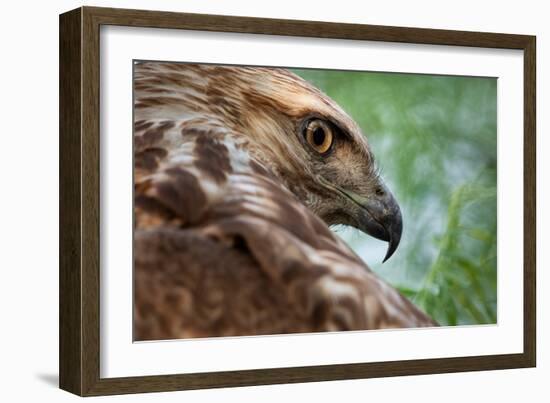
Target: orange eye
{"x": 319, "y": 135}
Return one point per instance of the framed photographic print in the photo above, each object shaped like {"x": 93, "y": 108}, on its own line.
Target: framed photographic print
{"x": 250, "y": 201}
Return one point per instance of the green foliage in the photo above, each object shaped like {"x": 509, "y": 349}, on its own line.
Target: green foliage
{"x": 435, "y": 141}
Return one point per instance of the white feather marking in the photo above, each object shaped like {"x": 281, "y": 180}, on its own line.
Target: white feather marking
{"x": 337, "y": 289}
{"x": 238, "y": 158}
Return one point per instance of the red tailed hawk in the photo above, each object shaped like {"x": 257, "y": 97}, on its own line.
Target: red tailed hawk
{"x": 239, "y": 171}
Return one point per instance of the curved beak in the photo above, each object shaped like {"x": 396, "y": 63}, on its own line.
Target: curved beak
{"x": 378, "y": 215}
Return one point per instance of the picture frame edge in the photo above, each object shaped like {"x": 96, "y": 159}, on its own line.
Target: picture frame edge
{"x": 70, "y": 74}
{"x": 79, "y": 361}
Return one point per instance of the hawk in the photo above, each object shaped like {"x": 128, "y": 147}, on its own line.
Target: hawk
{"x": 238, "y": 174}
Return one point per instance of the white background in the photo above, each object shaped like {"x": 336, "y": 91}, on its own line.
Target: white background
{"x": 29, "y": 203}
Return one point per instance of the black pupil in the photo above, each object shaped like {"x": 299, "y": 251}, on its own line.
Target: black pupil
{"x": 318, "y": 136}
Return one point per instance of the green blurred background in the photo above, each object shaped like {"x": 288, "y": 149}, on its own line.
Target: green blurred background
{"x": 435, "y": 141}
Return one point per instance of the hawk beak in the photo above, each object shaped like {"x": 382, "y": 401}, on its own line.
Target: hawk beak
{"x": 378, "y": 215}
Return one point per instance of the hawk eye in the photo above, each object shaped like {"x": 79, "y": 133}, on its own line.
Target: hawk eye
{"x": 319, "y": 135}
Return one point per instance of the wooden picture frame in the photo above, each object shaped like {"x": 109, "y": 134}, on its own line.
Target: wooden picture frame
{"x": 79, "y": 201}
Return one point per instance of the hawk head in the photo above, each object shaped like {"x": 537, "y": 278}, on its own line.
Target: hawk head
{"x": 290, "y": 127}
{"x": 315, "y": 148}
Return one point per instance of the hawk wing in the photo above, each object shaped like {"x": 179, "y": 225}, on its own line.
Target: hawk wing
{"x": 223, "y": 249}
